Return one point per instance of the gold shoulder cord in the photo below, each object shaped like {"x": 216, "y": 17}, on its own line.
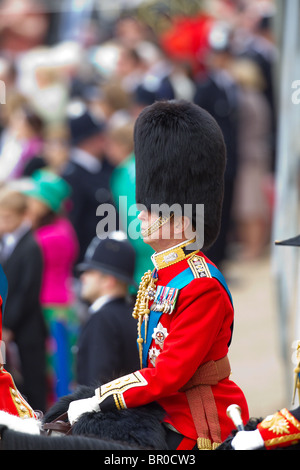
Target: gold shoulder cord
{"x": 145, "y": 293}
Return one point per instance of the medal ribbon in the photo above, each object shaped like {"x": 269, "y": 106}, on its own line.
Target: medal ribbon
{"x": 177, "y": 283}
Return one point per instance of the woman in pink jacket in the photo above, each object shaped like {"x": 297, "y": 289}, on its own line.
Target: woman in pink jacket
{"x": 59, "y": 246}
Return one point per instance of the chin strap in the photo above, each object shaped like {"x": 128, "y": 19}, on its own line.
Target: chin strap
{"x": 159, "y": 222}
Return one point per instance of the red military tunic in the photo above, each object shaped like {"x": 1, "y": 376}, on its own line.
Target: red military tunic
{"x": 198, "y": 330}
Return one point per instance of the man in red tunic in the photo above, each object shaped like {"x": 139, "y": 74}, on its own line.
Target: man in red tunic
{"x": 11, "y": 401}
{"x": 184, "y": 308}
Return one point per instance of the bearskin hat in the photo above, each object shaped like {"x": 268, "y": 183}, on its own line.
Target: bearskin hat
{"x": 180, "y": 160}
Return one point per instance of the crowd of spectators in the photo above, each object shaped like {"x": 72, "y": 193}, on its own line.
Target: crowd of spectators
{"x": 74, "y": 85}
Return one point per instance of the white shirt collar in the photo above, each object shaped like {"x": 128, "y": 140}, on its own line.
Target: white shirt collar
{"x": 10, "y": 240}
{"x": 99, "y": 303}
{"x": 86, "y": 160}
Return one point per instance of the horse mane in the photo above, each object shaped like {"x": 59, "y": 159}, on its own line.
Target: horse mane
{"x": 13, "y": 440}
{"x": 139, "y": 427}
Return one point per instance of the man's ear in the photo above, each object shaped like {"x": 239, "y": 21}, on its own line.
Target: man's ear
{"x": 182, "y": 225}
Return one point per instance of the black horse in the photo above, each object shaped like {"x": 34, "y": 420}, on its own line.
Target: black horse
{"x": 138, "y": 428}
{"x": 130, "y": 429}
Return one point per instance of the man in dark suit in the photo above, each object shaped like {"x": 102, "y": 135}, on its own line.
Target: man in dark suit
{"x": 23, "y": 323}
{"x": 88, "y": 174}
{"x": 107, "y": 344}
{"x": 217, "y": 93}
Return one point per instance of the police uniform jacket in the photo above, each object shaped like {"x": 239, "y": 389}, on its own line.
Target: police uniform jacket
{"x": 106, "y": 346}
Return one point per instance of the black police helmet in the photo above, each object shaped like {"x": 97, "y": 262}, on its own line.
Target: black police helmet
{"x": 113, "y": 255}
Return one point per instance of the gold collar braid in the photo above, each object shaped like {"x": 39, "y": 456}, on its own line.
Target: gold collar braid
{"x": 172, "y": 255}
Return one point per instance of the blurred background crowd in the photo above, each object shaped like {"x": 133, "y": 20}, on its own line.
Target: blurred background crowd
{"x": 76, "y": 75}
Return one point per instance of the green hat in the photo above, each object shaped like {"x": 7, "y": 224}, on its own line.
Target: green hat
{"x": 49, "y": 188}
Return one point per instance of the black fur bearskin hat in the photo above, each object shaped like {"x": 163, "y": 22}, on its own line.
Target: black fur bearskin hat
{"x": 180, "y": 159}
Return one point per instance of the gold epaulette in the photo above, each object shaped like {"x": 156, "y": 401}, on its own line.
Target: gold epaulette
{"x": 198, "y": 266}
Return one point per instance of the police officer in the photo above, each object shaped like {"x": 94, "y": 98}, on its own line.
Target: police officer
{"x": 107, "y": 346}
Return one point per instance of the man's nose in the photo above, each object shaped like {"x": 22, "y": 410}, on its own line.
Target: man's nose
{"x": 142, "y": 215}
